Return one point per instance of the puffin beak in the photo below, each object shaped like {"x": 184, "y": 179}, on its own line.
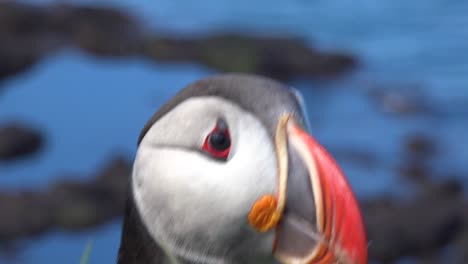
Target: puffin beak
{"x": 321, "y": 221}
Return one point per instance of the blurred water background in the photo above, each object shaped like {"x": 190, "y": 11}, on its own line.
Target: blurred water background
{"x": 411, "y": 81}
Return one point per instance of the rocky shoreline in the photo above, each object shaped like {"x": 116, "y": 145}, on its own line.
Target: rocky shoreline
{"x": 67, "y": 205}
{"x": 29, "y": 33}
{"x": 433, "y": 219}
{"x": 18, "y": 141}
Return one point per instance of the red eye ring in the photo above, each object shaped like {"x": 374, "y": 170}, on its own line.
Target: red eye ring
{"x": 218, "y": 141}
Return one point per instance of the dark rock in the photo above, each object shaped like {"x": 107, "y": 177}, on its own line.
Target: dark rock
{"x": 23, "y": 38}
{"x": 101, "y": 31}
{"x": 29, "y": 33}
{"x": 420, "y": 146}
{"x": 68, "y": 205}
{"x": 418, "y": 152}
{"x": 9, "y": 252}
{"x": 415, "y": 172}
{"x": 277, "y": 57}
{"x": 14, "y": 60}
{"x": 418, "y": 227}
{"x": 461, "y": 244}
{"x": 17, "y": 140}
{"x": 25, "y": 214}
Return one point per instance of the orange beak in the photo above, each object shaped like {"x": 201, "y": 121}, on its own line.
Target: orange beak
{"x": 321, "y": 221}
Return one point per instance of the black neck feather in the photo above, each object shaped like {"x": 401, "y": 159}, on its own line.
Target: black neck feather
{"x": 136, "y": 245}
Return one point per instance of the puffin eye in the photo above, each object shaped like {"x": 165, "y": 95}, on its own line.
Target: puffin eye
{"x": 218, "y": 141}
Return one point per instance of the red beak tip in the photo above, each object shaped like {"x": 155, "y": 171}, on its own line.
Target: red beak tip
{"x": 343, "y": 212}
{"x": 341, "y": 221}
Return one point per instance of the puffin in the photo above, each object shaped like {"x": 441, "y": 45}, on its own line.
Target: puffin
{"x": 227, "y": 172}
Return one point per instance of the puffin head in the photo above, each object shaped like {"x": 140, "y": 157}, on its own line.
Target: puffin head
{"x": 226, "y": 172}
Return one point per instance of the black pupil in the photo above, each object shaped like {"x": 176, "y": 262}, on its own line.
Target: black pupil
{"x": 219, "y": 140}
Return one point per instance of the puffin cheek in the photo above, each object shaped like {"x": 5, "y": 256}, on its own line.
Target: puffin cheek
{"x": 183, "y": 196}
{"x": 161, "y": 196}
{"x": 251, "y": 174}
{"x": 179, "y": 199}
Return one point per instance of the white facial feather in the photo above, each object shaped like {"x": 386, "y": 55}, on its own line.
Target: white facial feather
{"x": 196, "y": 207}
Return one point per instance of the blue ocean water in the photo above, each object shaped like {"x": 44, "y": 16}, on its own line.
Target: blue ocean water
{"x": 91, "y": 110}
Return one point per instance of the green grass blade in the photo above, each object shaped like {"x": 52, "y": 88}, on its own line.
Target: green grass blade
{"x": 86, "y": 253}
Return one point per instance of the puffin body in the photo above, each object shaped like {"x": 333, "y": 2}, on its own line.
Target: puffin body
{"x": 226, "y": 172}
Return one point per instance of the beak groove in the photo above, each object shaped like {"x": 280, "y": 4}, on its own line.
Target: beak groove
{"x": 337, "y": 233}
